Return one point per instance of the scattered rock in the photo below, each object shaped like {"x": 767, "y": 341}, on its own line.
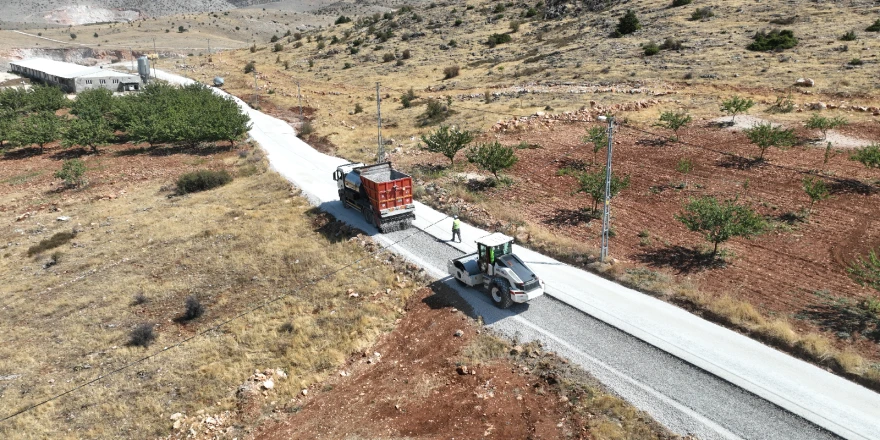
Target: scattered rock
{"x": 305, "y": 392}
{"x": 459, "y": 333}
{"x": 176, "y": 416}
{"x": 268, "y": 384}
{"x": 63, "y": 218}
{"x": 804, "y": 82}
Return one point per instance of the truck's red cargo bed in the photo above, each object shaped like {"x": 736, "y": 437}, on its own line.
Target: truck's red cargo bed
{"x": 389, "y": 190}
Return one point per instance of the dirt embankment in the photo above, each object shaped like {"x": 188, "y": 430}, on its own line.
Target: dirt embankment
{"x": 438, "y": 375}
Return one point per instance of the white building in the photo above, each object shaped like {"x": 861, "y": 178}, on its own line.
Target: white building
{"x": 73, "y": 78}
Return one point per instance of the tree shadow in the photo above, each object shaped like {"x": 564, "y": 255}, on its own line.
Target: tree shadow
{"x": 570, "y": 217}
{"x": 71, "y": 153}
{"x": 659, "y": 142}
{"x": 573, "y": 164}
{"x": 683, "y": 260}
{"x": 720, "y": 124}
{"x": 333, "y": 230}
{"x": 791, "y": 218}
{"x": 166, "y": 150}
{"x": 852, "y": 186}
{"x": 22, "y": 153}
{"x": 843, "y": 317}
{"x": 479, "y": 185}
{"x": 740, "y": 163}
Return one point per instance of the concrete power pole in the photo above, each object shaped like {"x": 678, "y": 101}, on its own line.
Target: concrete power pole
{"x": 299, "y": 96}
{"x": 256, "y": 93}
{"x": 381, "y": 153}
{"x": 157, "y": 57}
{"x": 606, "y": 217}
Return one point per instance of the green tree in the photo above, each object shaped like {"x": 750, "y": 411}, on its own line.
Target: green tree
{"x": 674, "y": 121}
{"x": 72, "y": 172}
{"x": 597, "y": 136}
{"x": 736, "y": 105}
{"x": 685, "y": 166}
{"x": 93, "y": 104}
{"x": 14, "y": 100}
{"x": 816, "y": 189}
{"x": 492, "y": 157}
{"x": 593, "y": 184}
{"x": 627, "y": 24}
{"x": 8, "y": 122}
{"x": 869, "y": 156}
{"x": 447, "y": 141}
{"x": 866, "y": 271}
{"x": 46, "y": 99}
{"x": 767, "y": 135}
{"x": 87, "y": 132}
{"x": 719, "y": 222}
{"x": 823, "y": 124}
{"x": 38, "y": 129}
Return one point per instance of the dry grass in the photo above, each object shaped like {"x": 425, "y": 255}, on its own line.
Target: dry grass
{"x": 234, "y": 247}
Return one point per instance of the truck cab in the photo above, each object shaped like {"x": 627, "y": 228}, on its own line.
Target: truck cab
{"x": 495, "y": 268}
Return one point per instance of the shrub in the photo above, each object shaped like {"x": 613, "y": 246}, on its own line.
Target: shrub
{"x": 73, "y": 36}
{"x": 406, "y": 54}
{"x": 496, "y": 39}
{"x": 651, "y": 48}
{"x": 450, "y": 72}
{"x": 57, "y": 239}
{"x": 816, "y": 189}
{"x": 736, "y": 105}
{"x": 671, "y": 44}
{"x": 297, "y": 36}
{"x": 674, "y": 121}
{"x": 702, "y": 14}
{"x": 856, "y": 62}
{"x": 193, "y": 308}
{"x": 593, "y": 184}
{"x": 399, "y": 63}
{"x": 139, "y": 299}
{"x": 253, "y": 48}
{"x": 250, "y": 67}
{"x": 719, "y": 222}
{"x": 767, "y": 135}
{"x": 321, "y": 45}
{"x": 95, "y": 35}
{"x": 849, "y": 36}
{"x": 202, "y": 180}
{"x": 435, "y": 112}
{"x": 72, "y": 172}
{"x": 181, "y": 29}
{"x": 627, "y": 24}
{"x": 458, "y": 22}
{"x": 305, "y": 129}
{"x": 278, "y": 47}
{"x": 874, "y": 27}
{"x": 677, "y": 3}
{"x": 514, "y": 26}
{"x": 531, "y": 12}
{"x": 823, "y": 124}
{"x": 775, "y": 40}
{"x": 388, "y": 57}
{"x": 274, "y": 38}
{"x": 358, "y": 108}
{"x": 447, "y": 142}
{"x": 142, "y": 335}
{"x": 407, "y": 98}
{"x": 342, "y": 20}
{"x": 492, "y": 157}
{"x": 869, "y": 156}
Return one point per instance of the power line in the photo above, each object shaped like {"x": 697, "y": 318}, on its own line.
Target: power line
{"x": 215, "y": 327}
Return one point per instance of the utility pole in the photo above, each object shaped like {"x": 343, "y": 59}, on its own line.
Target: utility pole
{"x": 606, "y": 217}
{"x": 157, "y": 57}
{"x": 209, "y": 48}
{"x": 132, "y": 58}
{"x": 256, "y": 93}
{"x": 381, "y": 154}
{"x": 299, "y": 96}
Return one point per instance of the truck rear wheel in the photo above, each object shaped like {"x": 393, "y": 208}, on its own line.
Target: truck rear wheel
{"x": 368, "y": 216}
{"x": 500, "y": 292}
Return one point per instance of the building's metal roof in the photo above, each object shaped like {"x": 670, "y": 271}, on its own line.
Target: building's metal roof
{"x": 65, "y": 70}
{"x": 107, "y": 73}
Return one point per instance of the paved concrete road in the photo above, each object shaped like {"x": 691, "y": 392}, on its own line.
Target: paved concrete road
{"x": 691, "y": 375}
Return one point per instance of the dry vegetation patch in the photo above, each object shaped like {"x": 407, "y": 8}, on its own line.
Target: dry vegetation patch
{"x": 178, "y": 266}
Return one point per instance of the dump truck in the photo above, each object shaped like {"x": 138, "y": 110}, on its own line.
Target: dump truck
{"x": 381, "y": 193}
{"x": 497, "y": 270}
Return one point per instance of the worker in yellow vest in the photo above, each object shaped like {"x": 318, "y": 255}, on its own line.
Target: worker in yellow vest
{"x": 456, "y": 228}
